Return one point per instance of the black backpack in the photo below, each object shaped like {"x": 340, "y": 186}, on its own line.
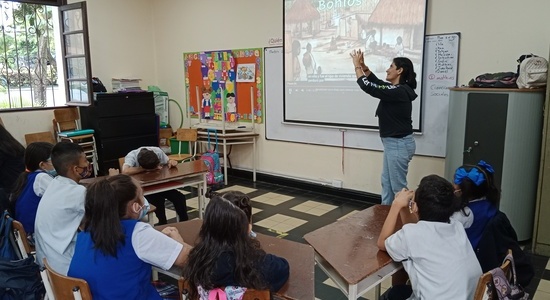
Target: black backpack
{"x": 20, "y": 280}
{"x": 495, "y": 80}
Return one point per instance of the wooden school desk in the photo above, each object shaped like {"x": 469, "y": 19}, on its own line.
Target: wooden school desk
{"x": 230, "y": 138}
{"x": 191, "y": 173}
{"x": 300, "y": 284}
{"x": 347, "y": 252}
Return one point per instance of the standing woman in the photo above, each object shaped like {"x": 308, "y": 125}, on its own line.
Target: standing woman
{"x": 11, "y": 160}
{"x": 394, "y": 118}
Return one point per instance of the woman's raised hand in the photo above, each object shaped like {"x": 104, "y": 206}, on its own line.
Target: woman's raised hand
{"x": 357, "y": 57}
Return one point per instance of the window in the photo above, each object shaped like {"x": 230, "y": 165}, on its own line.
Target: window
{"x": 44, "y": 55}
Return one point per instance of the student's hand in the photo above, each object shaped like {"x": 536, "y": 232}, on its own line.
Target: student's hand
{"x": 172, "y": 163}
{"x": 113, "y": 172}
{"x": 402, "y": 198}
{"x": 173, "y": 233}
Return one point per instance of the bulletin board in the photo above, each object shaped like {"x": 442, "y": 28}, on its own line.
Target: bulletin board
{"x": 232, "y": 78}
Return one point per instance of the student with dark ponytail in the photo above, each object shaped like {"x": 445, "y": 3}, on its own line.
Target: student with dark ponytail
{"x": 114, "y": 251}
{"x": 31, "y": 184}
{"x": 489, "y": 230}
{"x": 394, "y": 118}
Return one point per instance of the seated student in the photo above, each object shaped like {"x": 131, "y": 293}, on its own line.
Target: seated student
{"x": 114, "y": 251}
{"x": 242, "y": 201}
{"x": 152, "y": 158}
{"x": 488, "y": 229}
{"x": 31, "y": 184}
{"x": 226, "y": 255}
{"x": 62, "y": 207}
{"x": 435, "y": 251}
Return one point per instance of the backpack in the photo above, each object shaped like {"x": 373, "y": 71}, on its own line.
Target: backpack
{"x": 508, "y": 289}
{"x": 532, "y": 71}
{"x": 20, "y": 279}
{"x": 212, "y": 160}
{"x": 494, "y": 80}
{"x": 8, "y": 245}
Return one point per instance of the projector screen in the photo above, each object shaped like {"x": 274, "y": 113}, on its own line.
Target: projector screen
{"x": 319, "y": 76}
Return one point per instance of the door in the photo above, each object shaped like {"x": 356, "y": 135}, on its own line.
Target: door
{"x": 484, "y": 138}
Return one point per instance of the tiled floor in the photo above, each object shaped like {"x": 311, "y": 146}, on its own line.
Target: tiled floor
{"x": 290, "y": 213}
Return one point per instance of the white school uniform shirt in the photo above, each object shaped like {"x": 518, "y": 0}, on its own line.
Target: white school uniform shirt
{"x": 131, "y": 158}
{"x": 439, "y": 259}
{"x": 464, "y": 216}
{"x": 154, "y": 247}
{"x": 41, "y": 182}
{"x": 58, "y": 217}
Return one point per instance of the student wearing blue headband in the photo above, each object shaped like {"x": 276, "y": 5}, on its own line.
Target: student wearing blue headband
{"x": 488, "y": 229}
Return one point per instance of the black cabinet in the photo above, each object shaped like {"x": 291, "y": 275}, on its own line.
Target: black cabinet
{"x": 122, "y": 122}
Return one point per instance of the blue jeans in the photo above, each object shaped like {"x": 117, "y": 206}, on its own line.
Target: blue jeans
{"x": 398, "y": 152}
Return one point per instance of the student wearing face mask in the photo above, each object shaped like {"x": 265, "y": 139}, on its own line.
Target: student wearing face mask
{"x": 62, "y": 207}
{"x": 31, "y": 185}
{"x": 114, "y": 251}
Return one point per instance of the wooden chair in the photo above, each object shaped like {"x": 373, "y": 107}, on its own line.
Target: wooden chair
{"x": 121, "y": 163}
{"x": 485, "y": 288}
{"x": 21, "y": 239}
{"x": 65, "y": 287}
{"x": 45, "y": 136}
{"x": 250, "y": 294}
{"x": 67, "y": 128}
{"x": 189, "y": 136}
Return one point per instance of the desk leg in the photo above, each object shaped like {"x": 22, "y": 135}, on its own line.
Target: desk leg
{"x": 202, "y": 196}
{"x": 352, "y": 293}
{"x": 254, "y": 159}
{"x": 225, "y": 161}
{"x": 377, "y": 292}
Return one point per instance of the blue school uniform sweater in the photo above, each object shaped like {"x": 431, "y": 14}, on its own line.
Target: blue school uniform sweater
{"x": 27, "y": 204}
{"x": 483, "y": 211}
{"x": 122, "y": 277}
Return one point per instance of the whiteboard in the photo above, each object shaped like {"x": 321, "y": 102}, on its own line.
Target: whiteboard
{"x": 440, "y": 73}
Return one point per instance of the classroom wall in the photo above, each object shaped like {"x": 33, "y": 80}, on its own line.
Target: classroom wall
{"x": 121, "y": 35}
{"x": 146, "y": 39}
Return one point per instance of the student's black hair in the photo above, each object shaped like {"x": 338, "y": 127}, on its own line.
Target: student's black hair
{"x": 435, "y": 199}
{"x": 241, "y": 200}
{"x": 224, "y": 230}
{"x": 408, "y": 76}
{"x": 230, "y": 95}
{"x": 148, "y": 159}
{"x": 9, "y": 145}
{"x": 65, "y": 155}
{"x": 470, "y": 191}
{"x": 101, "y": 218}
{"x": 34, "y": 154}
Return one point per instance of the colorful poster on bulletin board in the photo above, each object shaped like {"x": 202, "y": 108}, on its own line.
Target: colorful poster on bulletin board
{"x": 211, "y": 80}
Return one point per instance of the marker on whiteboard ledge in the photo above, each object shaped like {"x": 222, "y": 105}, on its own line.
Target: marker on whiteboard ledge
{"x": 242, "y": 126}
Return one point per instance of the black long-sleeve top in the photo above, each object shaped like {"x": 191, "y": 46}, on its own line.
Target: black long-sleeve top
{"x": 395, "y": 106}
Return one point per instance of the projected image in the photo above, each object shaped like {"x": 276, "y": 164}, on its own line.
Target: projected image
{"x": 320, "y": 81}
